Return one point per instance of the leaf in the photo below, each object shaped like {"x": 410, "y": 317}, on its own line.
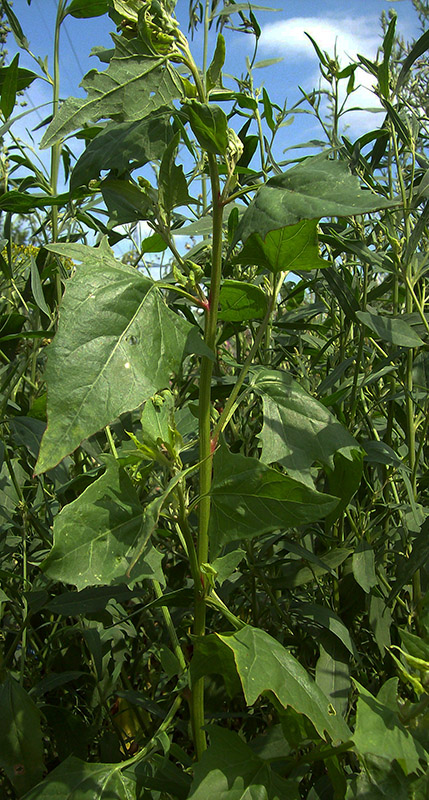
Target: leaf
{"x": 296, "y": 573}
{"x": 13, "y": 21}
{"x": 24, "y": 79}
{"x": 125, "y": 201}
{"x": 416, "y": 51}
{"x": 172, "y": 184}
{"x": 333, "y": 673}
{"x": 264, "y": 665}
{"x": 76, "y": 780}
{"x": 121, "y": 145}
{"x": 96, "y": 536}
{"x": 390, "y": 329}
{"x": 134, "y": 85}
{"x": 298, "y": 430}
{"x": 230, "y": 770}
{"x": 249, "y": 498}
{"x": 380, "y": 619}
{"x": 218, "y": 60}
{"x": 329, "y": 620}
{"x": 82, "y": 9}
{"x": 291, "y": 248}
{"x": 418, "y": 557}
{"x": 21, "y": 745}
{"x": 363, "y": 564}
{"x": 241, "y": 301}
{"x": 209, "y": 125}
{"x": 318, "y": 187}
{"x": 37, "y": 289}
{"x": 100, "y": 363}
{"x": 379, "y": 730}
{"x": 9, "y": 87}
{"x": 380, "y": 779}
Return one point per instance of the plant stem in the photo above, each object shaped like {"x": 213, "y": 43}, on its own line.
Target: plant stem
{"x": 171, "y": 629}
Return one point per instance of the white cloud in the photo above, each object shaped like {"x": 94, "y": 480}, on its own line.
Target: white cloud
{"x": 349, "y": 35}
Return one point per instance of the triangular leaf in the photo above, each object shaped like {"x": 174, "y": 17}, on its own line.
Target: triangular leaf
{"x": 117, "y": 344}
{"x": 135, "y": 84}
{"x": 96, "y": 536}
{"x": 318, "y": 187}
{"x": 292, "y": 248}
{"x": 249, "y": 498}
{"x": 264, "y": 665}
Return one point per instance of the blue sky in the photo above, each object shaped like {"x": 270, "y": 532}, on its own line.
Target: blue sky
{"x": 353, "y": 26}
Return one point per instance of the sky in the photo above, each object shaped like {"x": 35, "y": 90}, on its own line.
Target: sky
{"x": 351, "y": 27}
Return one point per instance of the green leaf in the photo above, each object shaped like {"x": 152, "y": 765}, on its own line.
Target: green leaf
{"x": 379, "y": 730}
{"x": 380, "y": 779}
{"x": 172, "y": 184}
{"x": 329, "y": 620}
{"x": 76, "y": 780}
{"x": 292, "y": 248}
{"x": 134, "y": 85}
{"x": 125, "y": 201}
{"x": 24, "y": 80}
{"x": 96, "y": 536}
{"x": 380, "y": 619}
{"x": 249, "y": 498}
{"x": 156, "y": 419}
{"x": 100, "y": 363}
{"x": 241, "y": 301}
{"x": 333, "y": 673}
{"x": 298, "y": 430}
{"x": 9, "y": 87}
{"x": 297, "y": 573}
{"x": 209, "y": 125}
{"x": 418, "y": 557}
{"x": 318, "y": 187}
{"x": 214, "y": 70}
{"x": 363, "y": 563}
{"x": 390, "y": 329}
{"x": 37, "y": 289}
{"x": 21, "y": 745}
{"x": 416, "y": 51}
{"x": 230, "y": 770}
{"x": 123, "y": 145}
{"x": 83, "y": 9}
{"x": 264, "y": 665}
{"x": 14, "y": 23}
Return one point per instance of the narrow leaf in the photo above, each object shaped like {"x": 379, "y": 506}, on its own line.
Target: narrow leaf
{"x": 214, "y": 70}
{"x": 10, "y": 87}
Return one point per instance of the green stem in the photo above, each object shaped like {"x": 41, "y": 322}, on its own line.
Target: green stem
{"x": 197, "y": 704}
{"x": 56, "y": 148}
{"x": 170, "y": 628}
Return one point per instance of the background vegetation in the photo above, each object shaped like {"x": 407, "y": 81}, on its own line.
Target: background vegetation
{"x": 214, "y": 485}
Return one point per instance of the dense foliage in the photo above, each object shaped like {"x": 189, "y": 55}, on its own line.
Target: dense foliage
{"x": 214, "y": 484}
